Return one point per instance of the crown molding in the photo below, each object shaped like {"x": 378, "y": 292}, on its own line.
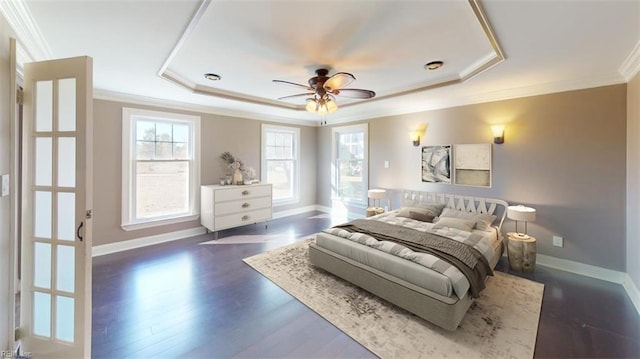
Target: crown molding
{"x": 631, "y": 66}
{"x": 35, "y": 47}
{"x": 491, "y": 96}
{"x": 114, "y": 96}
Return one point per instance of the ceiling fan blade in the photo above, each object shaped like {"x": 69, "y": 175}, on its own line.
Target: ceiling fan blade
{"x": 298, "y": 95}
{"x": 338, "y": 81}
{"x": 354, "y": 93}
{"x": 306, "y": 87}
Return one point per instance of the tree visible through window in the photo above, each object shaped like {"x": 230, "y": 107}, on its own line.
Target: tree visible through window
{"x": 160, "y": 166}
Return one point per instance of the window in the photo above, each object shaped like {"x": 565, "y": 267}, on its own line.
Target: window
{"x": 350, "y": 154}
{"x": 160, "y": 168}
{"x": 280, "y": 154}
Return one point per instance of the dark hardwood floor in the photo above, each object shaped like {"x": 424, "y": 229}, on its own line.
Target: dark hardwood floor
{"x": 185, "y": 300}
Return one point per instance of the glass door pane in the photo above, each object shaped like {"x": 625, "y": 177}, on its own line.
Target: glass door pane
{"x": 67, "y": 104}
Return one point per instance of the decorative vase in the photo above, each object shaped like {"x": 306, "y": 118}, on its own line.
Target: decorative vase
{"x": 237, "y": 177}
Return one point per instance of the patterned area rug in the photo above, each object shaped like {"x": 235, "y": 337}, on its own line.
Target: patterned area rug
{"x": 502, "y": 323}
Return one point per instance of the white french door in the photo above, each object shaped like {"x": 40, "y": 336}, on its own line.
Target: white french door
{"x": 55, "y": 300}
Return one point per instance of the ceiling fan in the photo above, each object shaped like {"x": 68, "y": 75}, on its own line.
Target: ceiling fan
{"x": 322, "y": 90}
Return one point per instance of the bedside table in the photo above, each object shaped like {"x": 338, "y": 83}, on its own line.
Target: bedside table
{"x": 372, "y": 211}
{"x": 522, "y": 252}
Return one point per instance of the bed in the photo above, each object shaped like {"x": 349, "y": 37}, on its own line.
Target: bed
{"x": 422, "y": 283}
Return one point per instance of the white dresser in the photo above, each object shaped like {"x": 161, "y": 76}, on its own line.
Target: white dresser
{"x": 223, "y": 207}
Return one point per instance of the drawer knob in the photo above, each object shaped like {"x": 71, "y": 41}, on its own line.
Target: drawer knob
{"x": 245, "y": 205}
{"x": 245, "y": 192}
{"x": 245, "y": 217}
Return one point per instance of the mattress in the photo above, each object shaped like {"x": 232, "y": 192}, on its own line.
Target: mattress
{"x": 401, "y": 268}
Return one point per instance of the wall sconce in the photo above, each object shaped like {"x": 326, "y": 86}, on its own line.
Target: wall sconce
{"x": 498, "y": 133}
{"x": 415, "y": 138}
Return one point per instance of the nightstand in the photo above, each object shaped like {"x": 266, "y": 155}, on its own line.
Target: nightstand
{"x": 372, "y": 211}
{"x": 521, "y": 250}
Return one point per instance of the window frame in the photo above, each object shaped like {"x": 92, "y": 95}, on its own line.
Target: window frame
{"x": 335, "y": 132}
{"x": 295, "y": 131}
{"x": 130, "y": 116}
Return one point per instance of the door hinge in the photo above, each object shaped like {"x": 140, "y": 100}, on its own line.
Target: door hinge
{"x": 17, "y": 334}
{"x": 89, "y": 214}
{"x": 20, "y": 96}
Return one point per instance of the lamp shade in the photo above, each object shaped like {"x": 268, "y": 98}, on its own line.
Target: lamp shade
{"x": 521, "y": 213}
{"x": 376, "y": 193}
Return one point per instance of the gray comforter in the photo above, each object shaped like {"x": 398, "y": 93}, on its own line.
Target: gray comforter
{"x": 467, "y": 259}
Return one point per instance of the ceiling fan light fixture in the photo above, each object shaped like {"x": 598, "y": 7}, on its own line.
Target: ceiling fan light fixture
{"x": 322, "y": 105}
{"x": 433, "y": 65}
{"x": 312, "y": 105}
{"x": 212, "y": 77}
{"x": 324, "y": 88}
{"x": 331, "y": 105}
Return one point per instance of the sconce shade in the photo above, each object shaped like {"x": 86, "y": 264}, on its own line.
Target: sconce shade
{"x": 415, "y": 137}
{"x": 498, "y": 133}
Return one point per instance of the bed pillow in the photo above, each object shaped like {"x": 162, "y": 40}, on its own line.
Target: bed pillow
{"x": 434, "y": 208}
{"x": 424, "y": 213}
{"x": 482, "y": 220}
{"x": 458, "y": 223}
{"x": 431, "y": 208}
{"x": 421, "y": 216}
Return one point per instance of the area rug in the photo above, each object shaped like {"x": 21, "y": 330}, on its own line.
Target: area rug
{"x": 502, "y": 323}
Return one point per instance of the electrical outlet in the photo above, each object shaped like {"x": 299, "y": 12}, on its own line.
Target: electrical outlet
{"x": 5, "y": 185}
{"x": 558, "y": 241}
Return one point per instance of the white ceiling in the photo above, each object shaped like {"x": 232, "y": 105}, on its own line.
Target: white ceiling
{"x": 159, "y": 50}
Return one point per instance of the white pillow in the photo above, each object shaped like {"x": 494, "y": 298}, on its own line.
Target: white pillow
{"x": 458, "y": 223}
{"x": 482, "y": 220}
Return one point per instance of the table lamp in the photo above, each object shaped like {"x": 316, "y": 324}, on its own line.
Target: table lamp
{"x": 376, "y": 194}
{"x": 521, "y": 213}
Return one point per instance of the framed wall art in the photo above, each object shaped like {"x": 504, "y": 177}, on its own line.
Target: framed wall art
{"x": 472, "y": 164}
{"x": 436, "y": 164}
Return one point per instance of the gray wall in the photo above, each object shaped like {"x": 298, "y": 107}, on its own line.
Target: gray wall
{"x": 5, "y": 215}
{"x": 239, "y": 136}
{"x": 564, "y": 155}
{"x": 633, "y": 179}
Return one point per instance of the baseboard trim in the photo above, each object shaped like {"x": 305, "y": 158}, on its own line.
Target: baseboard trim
{"x": 587, "y": 270}
{"x": 581, "y": 268}
{"x": 632, "y": 290}
{"x": 109, "y": 248}
{"x": 300, "y": 210}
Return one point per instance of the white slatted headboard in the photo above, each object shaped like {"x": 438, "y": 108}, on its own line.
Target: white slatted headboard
{"x": 493, "y": 206}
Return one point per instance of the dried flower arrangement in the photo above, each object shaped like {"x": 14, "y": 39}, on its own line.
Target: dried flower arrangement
{"x": 236, "y": 165}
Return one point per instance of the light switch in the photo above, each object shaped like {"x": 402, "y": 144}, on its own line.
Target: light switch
{"x": 5, "y": 185}
{"x": 386, "y": 164}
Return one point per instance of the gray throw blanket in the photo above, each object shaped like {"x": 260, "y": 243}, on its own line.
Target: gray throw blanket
{"x": 464, "y": 257}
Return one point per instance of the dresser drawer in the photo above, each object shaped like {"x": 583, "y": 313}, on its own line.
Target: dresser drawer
{"x": 240, "y": 219}
{"x": 249, "y": 204}
{"x": 242, "y": 192}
